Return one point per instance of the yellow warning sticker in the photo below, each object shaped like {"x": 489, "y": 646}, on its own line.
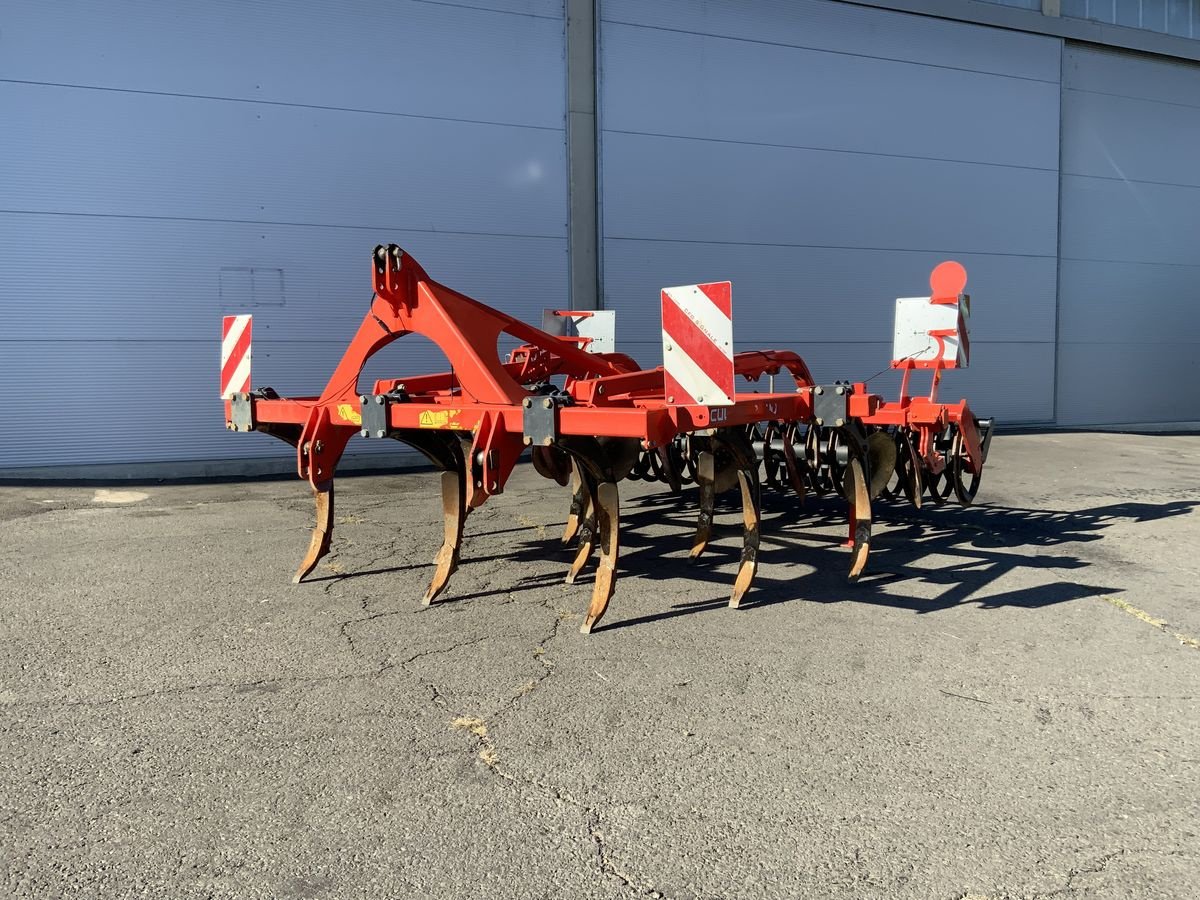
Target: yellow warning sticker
{"x": 349, "y": 413}
{"x": 439, "y": 418}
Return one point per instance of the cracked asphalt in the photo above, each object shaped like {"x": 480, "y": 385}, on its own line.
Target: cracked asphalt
{"x": 1006, "y": 706}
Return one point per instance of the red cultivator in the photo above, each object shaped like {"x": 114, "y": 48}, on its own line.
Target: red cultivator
{"x": 597, "y": 418}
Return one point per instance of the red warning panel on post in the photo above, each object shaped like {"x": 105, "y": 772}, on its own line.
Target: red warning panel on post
{"x": 697, "y": 333}
{"x": 235, "y": 355}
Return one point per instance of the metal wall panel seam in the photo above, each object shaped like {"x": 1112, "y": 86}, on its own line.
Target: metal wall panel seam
{"x": 1139, "y": 97}
{"x": 281, "y": 224}
{"x": 277, "y": 103}
{"x": 598, "y": 76}
{"x": 583, "y": 231}
{"x": 1062, "y": 55}
{"x": 813, "y": 149}
{"x": 485, "y": 8}
{"x": 814, "y": 49}
{"x": 939, "y": 249}
{"x": 1087, "y": 176}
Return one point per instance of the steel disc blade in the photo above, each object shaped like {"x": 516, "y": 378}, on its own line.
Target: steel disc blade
{"x": 881, "y": 461}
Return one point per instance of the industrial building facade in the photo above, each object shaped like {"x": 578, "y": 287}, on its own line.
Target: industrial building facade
{"x": 163, "y": 164}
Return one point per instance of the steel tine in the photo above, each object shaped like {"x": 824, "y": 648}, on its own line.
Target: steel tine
{"x": 751, "y": 518}
{"x": 322, "y": 532}
{"x": 608, "y": 519}
{"x": 580, "y": 503}
{"x": 858, "y": 494}
{"x": 587, "y": 529}
{"x": 706, "y": 477}
{"x": 453, "y": 514}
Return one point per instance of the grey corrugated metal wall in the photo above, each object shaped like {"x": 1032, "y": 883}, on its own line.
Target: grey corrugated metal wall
{"x": 824, "y": 157}
{"x": 1129, "y": 297}
{"x": 163, "y": 164}
{"x": 152, "y": 154}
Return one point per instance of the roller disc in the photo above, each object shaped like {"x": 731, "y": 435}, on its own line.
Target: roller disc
{"x": 553, "y": 464}
{"x": 966, "y": 482}
{"x": 908, "y": 465}
{"x": 881, "y": 460}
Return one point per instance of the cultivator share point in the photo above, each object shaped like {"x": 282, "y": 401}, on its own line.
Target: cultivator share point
{"x": 592, "y": 417}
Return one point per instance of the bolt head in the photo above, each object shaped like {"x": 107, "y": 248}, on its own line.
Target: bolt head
{"x": 381, "y": 433}
{"x": 841, "y": 390}
{"x": 548, "y": 442}
{"x": 528, "y": 440}
{"x": 547, "y": 403}
{"x": 818, "y": 390}
{"x": 839, "y": 422}
{"x": 365, "y": 433}
{"x": 527, "y": 403}
{"x": 820, "y": 421}
{"x": 362, "y": 398}
{"x": 379, "y": 399}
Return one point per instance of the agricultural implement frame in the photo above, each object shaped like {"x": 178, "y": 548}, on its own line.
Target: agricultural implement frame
{"x": 594, "y": 419}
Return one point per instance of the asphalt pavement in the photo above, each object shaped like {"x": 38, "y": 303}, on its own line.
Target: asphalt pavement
{"x": 1005, "y": 706}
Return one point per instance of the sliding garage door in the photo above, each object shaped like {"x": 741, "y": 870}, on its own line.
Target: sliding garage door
{"x": 166, "y": 163}
{"x": 1129, "y": 326}
{"x": 824, "y": 157}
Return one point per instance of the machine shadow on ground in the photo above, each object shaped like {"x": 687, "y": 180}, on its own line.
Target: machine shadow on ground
{"x": 962, "y": 551}
{"x": 958, "y": 552}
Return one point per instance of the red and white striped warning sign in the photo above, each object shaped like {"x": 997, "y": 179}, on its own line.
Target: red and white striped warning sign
{"x": 697, "y": 333}
{"x": 235, "y": 355}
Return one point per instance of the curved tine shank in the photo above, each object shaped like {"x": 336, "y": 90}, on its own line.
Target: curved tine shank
{"x": 580, "y": 503}
{"x": 453, "y": 514}
{"x": 608, "y": 515}
{"x": 857, "y": 492}
{"x": 706, "y": 477}
{"x": 748, "y": 479}
{"x": 587, "y": 527}
{"x": 322, "y": 532}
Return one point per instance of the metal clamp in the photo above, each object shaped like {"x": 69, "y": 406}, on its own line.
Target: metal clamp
{"x": 540, "y": 419}
{"x": 831, "y": 404}
{"x": 241, "y": 411}
{"x": 375, "y": 419}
